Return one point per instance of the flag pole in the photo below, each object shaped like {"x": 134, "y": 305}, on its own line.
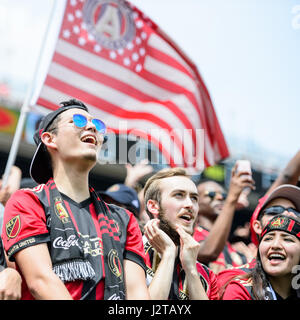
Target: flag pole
{"x": 26, "y": 106}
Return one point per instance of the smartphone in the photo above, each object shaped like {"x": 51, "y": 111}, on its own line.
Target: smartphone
{"x": 244, "y": 166}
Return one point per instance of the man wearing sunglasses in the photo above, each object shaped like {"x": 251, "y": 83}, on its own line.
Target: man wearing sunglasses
{"x": 215, "y": 219}
{"x": 67, "y": 243}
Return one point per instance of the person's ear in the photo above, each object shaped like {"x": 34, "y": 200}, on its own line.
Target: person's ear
{"x": 257, "y": 227}
{"x": 153, "y": 207}
{"x": 48, "y": 140}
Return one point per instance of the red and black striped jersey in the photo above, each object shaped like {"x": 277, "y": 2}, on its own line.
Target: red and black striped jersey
{"x": 25, "y": 224}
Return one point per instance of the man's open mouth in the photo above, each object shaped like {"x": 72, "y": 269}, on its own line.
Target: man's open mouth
{"x": 89, "y": 139}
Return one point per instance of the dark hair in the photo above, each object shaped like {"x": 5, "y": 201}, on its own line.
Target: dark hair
{"x": 53, "y": 125}
{"x": 72, "y": 102}
{"x": 259, "y": 280}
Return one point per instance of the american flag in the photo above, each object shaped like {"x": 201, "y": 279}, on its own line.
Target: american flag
{"x": 116, "y": 60}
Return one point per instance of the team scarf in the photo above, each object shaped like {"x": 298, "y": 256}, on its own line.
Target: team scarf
{"x": 72, "y": 264}
{"x": 178, "y": 290}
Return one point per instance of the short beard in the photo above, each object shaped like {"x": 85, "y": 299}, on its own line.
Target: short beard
{"x": 167, "y": 228}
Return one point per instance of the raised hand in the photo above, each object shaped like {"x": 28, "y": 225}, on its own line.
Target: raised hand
{"x": 158, "y": 239}
{"x": 189, "y": 248}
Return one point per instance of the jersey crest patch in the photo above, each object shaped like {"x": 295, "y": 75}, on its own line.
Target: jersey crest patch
{"x": 115, "y": 265}
{"x": 61, "y": 211}
{"x": 13, "y": 227}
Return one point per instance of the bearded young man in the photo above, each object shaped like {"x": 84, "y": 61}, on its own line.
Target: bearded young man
{"x": 173, "y": 272}
{"x": 67, "y": 243}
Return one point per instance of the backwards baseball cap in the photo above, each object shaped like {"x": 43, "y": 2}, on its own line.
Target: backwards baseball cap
{"x": 282, "y": 223}
{"x": 124, "y": 195}
{"x": 286, "y": 191}
{"x": 40, "y": 167}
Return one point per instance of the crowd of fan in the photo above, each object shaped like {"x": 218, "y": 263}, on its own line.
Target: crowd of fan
{"x": 167, "y": 238}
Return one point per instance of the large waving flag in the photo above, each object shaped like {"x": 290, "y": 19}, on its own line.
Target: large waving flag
{"x": 125, "y": 68}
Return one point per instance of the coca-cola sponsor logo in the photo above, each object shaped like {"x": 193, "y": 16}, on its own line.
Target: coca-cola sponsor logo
{"x": 60, "y": 243}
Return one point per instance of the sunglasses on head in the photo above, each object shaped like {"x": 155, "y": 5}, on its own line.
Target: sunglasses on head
{"x": 279, "y": 209}
{"x": 212, "y": 194}
{"x": 81, "y": 121}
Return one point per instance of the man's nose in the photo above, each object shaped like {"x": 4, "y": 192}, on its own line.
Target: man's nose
{"x": 90, "y": 126}
{"x": 188, "y": 202}
{"x": 219, "y": 196}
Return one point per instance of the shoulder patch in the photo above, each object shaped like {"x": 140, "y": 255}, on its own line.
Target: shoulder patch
{"x": 13, "y": 227}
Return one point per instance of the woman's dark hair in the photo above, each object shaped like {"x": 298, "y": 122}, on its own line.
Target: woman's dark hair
{"x": 259, "y": 280}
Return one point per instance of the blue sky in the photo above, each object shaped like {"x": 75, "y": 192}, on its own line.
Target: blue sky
{"x": 247, "y": 52}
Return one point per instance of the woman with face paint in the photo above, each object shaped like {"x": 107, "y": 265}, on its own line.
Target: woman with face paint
{"x": 274, "y": 276}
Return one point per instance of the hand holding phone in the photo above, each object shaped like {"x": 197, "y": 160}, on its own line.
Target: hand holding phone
{"x": 245, "y": 167}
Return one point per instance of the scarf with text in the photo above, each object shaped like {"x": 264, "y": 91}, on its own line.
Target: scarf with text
{"x": 178, "y": 290}
{"x": 70, "y": 262}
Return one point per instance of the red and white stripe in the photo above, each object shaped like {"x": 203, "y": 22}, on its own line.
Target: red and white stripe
{"x": 150, "y": 84}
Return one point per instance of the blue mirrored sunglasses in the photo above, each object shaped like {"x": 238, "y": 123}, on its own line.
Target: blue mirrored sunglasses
{"x": 81, "y": 121}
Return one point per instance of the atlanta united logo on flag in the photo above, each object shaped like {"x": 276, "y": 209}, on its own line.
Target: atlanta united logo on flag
{"x": 110, "y": 22}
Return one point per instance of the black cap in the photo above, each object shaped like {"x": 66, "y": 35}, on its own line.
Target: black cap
{"x": 40, "y": 168}
{"x": 124, "y": 195}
